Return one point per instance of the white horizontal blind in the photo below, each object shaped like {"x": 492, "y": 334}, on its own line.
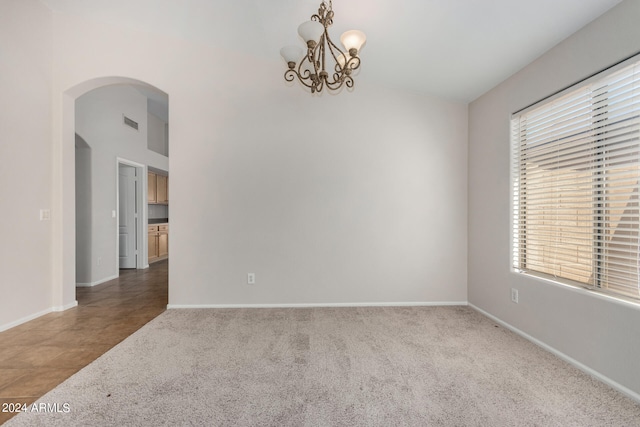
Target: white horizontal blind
{"x": 575, "y": 175}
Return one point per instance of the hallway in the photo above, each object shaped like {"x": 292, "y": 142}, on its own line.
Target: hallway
{"x": 38, "y": 355}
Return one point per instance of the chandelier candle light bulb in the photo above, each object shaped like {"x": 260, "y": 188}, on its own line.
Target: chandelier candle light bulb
{"x": 323, "y": 53}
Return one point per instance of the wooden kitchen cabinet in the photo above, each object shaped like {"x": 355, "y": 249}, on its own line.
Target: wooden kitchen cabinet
{"x": 157, "y": 189}
{"x": 153, "y": 243}
{"x": 152, "y": 187}
{"x": 163, "y": 242}
{"x": 162, "y": 190}
{"x": 158, "y": 242}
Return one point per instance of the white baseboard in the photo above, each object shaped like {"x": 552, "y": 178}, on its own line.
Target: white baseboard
{"x": 24, "y": 319}
{"x": 36, "y": 315}
{"x": 308, "y": 305}
{"x": 611, "y": 383}
{"x": 65, "y": 307}
{"x": 97, "y": 282}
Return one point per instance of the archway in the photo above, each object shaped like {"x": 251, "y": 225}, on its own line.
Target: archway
{"x": 63, "y": 203}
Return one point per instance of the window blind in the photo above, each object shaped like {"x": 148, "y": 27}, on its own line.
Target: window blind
{"x": 575, "y": 175}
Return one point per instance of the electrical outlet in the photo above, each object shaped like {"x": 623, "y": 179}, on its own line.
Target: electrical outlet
{"x": 514, "y": 295}
{"x": 45, "y": 214}
{"x": 251, "y": 278}
{"x": 99, "y": 260}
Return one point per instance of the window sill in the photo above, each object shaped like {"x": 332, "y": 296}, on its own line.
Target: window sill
{"x": 620, "y": 300}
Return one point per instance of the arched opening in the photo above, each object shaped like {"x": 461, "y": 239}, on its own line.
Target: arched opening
{"x": 68, "y": 143}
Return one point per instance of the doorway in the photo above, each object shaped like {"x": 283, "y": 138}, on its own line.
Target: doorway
{"x": 129, "y": 195}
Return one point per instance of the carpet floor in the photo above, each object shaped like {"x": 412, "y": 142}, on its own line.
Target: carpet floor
{"x": 383, "y": 366}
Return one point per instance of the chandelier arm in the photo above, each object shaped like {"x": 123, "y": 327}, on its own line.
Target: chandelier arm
{"x": 304, "y": 82}
{"x": 332, "y": 48}
{"x": 312, "y": 54}
{"x": 353, "y": 63}
{"x": 338, "y": 83}
{"x": 290, "y": 75}
{"x": 322, "y": 52}
{"x": 335, "y": 83}
{"x": 334, "y": 87}
{"x": 303, "y": 73}
{"x": 306, "y": 73}
{"x": 303, "y": 77}
{"x": 348, "y": 82}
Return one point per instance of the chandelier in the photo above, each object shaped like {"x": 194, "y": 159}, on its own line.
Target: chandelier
{"x": 322, "y": 54}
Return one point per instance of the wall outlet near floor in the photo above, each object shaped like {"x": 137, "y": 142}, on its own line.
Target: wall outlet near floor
{"x": 99, "y": 260}
{"x": 251, "y": 278}
{"x": 514, "y": 295}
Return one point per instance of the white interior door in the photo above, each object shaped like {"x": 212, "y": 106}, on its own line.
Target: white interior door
{"x": 127, "y": 216}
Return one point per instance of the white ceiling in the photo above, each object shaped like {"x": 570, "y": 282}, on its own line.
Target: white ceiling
{"x": 456, "y": 49}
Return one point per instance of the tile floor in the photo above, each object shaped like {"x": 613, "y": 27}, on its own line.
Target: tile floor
{"x": 38, "y": 355}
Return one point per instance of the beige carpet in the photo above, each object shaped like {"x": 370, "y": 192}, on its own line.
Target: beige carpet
{"x": 409, "y": 366}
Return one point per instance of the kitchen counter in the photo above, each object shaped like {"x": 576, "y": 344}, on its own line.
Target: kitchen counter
{"x": 158, "y": 221}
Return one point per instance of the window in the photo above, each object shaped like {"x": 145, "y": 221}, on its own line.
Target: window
{"x": 575, "y": 178}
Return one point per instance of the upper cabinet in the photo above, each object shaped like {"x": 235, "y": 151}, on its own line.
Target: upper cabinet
{"x": 162, "y": 190}
{"x": 157, "y": 189}
{"x": 151, "y": 187}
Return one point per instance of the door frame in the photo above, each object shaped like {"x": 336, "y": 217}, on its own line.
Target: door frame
{"x": 141, "y": 208}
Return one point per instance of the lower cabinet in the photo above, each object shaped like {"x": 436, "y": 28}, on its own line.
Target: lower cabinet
{"x": 163, "y": 241}
{"x": 158, "y": 242}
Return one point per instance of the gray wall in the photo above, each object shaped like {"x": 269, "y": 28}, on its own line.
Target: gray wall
{"x": 158, "y": 140}
{"x": 354, "y": 198}
{"x": 26, "y": 153}
{"x": 83, "y": 211}
{"x": 599, "y": 333}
